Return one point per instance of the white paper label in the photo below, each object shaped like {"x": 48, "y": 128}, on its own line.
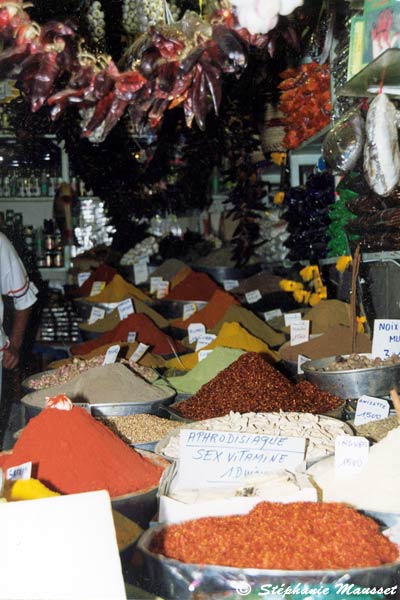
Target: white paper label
{"x": 139, "y": 352}
{"x": 252, "y": 297}
{"x": 230, "y": 284}
{"x": 125, "y": 308}
{"x": 203, "y": 354}
{"x": 131, "y": 337}
{"x": 145, "y": 259}
{"x": 299, "y": 332}
{"x": 162, "y": 290}
{"x": 300, "y": 362}
{"x": 371, "y": 409}
{"x": 351, "y": 454}
{"x": 216, "y": 458}
{"x": 97, "y": 287}
{"x": 195, "y": 330}
{"x": 204, "y": 340}
{"x": 189, "y": 310}
{"x": 95, "y": 314}
{"x": 291, "y": 318}
{"x": 20, "y": 472}
{"x": 386, "y": 340}
{"x": 140, "y": 272}
{"x": 154, "y": 281}
{"x": 111, "y": 355}
{"x": 82, "y": 277}
{"x": 272, "y": 314}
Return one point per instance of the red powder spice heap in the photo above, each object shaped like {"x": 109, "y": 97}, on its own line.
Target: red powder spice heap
{"x": 102, "y": 273}
{"x": 210, "y": 314}
{"x": 71, "y": 452}
{"x": 146, "y": 332}
{"x": 322, "y": 536}
{"x": 196, "y": 286}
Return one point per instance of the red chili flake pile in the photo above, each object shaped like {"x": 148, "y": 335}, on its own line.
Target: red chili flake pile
{"x": 296, "y": 536}
{"x": 251, "y": 384}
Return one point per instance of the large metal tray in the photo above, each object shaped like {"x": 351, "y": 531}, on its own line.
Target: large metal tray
{"x": 220, "y": 274}
{"x": 173, "y": 309}
{"x": 84, "y": 308}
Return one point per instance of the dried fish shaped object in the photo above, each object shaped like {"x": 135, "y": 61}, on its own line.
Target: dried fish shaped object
{"x": 381, "y": 151}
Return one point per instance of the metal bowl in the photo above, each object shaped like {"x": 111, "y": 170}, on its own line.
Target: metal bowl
{"x": 353, "y": 383}
{"x": 173, "y": 309}
{"x": 84, "y": 308}
{"x": 220, "y": 274}
{"x": 170, "y": 578}
{"x": 87, "y": 336}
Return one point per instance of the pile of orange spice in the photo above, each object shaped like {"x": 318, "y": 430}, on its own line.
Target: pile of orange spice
{"x": 295, "y": 536}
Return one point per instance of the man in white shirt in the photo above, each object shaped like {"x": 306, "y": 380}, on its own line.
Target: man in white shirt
{"x": 14, "y": 282}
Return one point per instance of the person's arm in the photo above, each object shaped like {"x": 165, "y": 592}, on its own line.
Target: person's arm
{"x": 11, "y": 354}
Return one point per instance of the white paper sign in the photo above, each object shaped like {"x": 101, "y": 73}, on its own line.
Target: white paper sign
{"x": 230, "y": 284}
{"x": 97, "y": 287}
{"x": 203, "y": 354}
{"x": 351, "y": 454}
{"x": 154, "y": 281}
{"x": 386, "y": 340}
{"x": 111, "y": 355}
{"x": 20, "y": 472}
{"x": 300, "y": 362}
{"x": 139, "y": 352}
{"x": 272, "y": 314}
{"x": 162, "y": 289}
{"x": 131, "y": 337}
{"x": 189, "y": 310}
{"x": 95, "y": 314}
{"x": 218, "y": 458}
{"x": 140, "y": 272}
{"x": 204, "y": 340}
{"x": 195, "y": 330}
{"x": 125, "y": 308}
{"x": 299, "y": 332}
{"x": 291, "y": 318}
{"x": 371, "y": 409}
{"x": 252, "y": 297}
{"x": 82, "y": 277}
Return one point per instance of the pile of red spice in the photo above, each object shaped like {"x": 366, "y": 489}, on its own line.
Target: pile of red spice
{"x": 71, "y": 452}
{"x": 196, "y": 286}
{"x": 250, "y": 384}
{"x": 296, "y": 536}
{"x": 211, "y": 313}
{"x": 146, "y": 332}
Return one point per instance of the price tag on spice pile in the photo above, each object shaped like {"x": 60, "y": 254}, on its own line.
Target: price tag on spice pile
{"x": 203, "y": 354}
{"x": 97, "y": 287}
{"x": 140, "y": 272}
{"x": 131, "y": 337}
{"x": 230, "y": 284}
{"x": 221, "y": 458}
{"x": 252, "y": 297}
{"x": 195, "y": 330}
{"x": 189, "y": 310}
{"x": 139, "y": 352}
{"x": 300, "y": 362}
{"x": 204, "y": 340}
{"x": 371, "y": 409}
{"x": 154, "y": 281}
{"x": 162, "y": 290}
{"x": 291, "y": 318}
{"x": 299, "y": 332}
{"x": 351, "y": 454}
{"x": 125, "y": 308}
{"x": 386, "y": 339}
{"x": 111, "y": 355}
{"x": 20, "y": 472}
{"x": 272, "y": 314}
{"x": 82, "y": 277}
{"x": 95, "y": 314}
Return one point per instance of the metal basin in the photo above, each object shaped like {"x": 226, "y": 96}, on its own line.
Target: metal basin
{"x": 353, "y": 383}
{"x": 84, "y": 308}
{"x": 173, "y": 309}
{"x": 220, "y": 274}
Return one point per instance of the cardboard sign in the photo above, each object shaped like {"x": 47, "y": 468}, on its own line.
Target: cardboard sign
{"x": 154, "y": 281}
{"x": 203, "y": 354}
{"x": 272, "y": 314}
{"x": 300, "y": 361}
{"x": 20, "y": 472}
{"x": 219, "y": 458}
{"x": 189, "y": 310}
{"x": 195, "y": 330}
{"x": 140, "y": 272}
{"x": 230, "y": 284}
{"x": 371, "y": 409}
{"x": 162, "y": 290}
{"x": 111, "y": 355}
{"x": 291, "y": 318}
{"x": 351, "y": 454}
{"x": 252, "y": 297}
{"x": 97, "y": 287}
{"x": 386, "y": 340}
{"x": 82, "y": 277}
{"x": 95, "y": 314}
{"x": 125, "y": 308}
{"x": 139, "y": 352}
{"x": 204, "y": 340}
{"x": 299, "y": 332}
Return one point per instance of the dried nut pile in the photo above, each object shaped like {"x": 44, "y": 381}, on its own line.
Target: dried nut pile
{"x": 377, "y": 430}
{"x": 358, "y": 361}
{"x": 140, "y": 428}
{"x": 65, "y": 373}
{"x": 319, "y": 430}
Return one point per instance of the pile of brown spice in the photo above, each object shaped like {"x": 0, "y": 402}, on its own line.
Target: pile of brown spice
{"x": 322, "y": 536}
{"x": 250, "y": 384}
